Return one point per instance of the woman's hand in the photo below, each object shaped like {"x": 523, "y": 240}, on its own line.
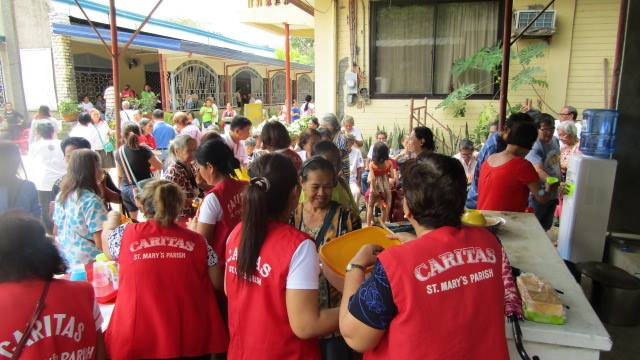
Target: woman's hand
{"x": 192, "y": 224}
{"x": 402, "y": 236}
{"x": 367, "y": 255}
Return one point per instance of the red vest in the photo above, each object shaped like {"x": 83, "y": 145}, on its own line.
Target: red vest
{"x": 229, "y": 193}
{"x": 65, "y": 329}
{"x": 447, "y": 286}
{"x": 258, "y": 321}
{"x": 166, "y": 305}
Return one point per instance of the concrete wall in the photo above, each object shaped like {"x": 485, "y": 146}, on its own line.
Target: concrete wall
{"x": 572, "y": 63}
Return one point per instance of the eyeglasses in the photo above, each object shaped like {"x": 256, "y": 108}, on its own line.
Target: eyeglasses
{"x": 547, "y": 130}
{"x": 564, "y": 114}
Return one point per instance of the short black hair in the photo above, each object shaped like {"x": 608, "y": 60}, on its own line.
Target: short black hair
{"x": 275, "y": 136}
{"x": 381, "y": 132}
{"x": 84, "y": 118}
{"x": 307, "y": 98}
{"x": 516, "y": 118}
{"x": 435, "y": 187}
{"x": 328, "y": 150}
{"x": 157, "y": 114}
{"x": 466, "y": 144}
{"x": 523, "y": 134}
{"x": 380, "y": 153}
{"x": 426, "y": 135}
{"x": 314, "y": 120}
{"x": 306, "y": 135}
{"x": 544, "y": 119}
{"x": 239, "y": 122}
{"x": 45, "y": 130}
{"x": 25, "y": 251}
{"x": 217, "y": 153}
{"x": 75, "y": 141}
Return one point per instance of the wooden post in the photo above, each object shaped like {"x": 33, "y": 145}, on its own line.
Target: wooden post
{"x": 287, "y": 72}
{"x": 410, "y": 114}
{"x": 506, "y": 53}
{"x": 115, "y": 67}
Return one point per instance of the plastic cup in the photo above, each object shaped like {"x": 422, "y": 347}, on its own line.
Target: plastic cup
{"x": 100, "y": 274}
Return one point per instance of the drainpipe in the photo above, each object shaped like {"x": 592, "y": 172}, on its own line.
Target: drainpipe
{"x": 506, "y": 53}
{"x": 287, "y": 72}
{"x": 615, "y": 78}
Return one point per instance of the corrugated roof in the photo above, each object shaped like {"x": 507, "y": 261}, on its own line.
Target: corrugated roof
{"x": 159, "y": 42}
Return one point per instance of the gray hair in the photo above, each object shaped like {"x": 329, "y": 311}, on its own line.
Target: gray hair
{"x": 178, "y": 143}
{"x": 573, "y": 111}
{"x": 569, "y": 128}
{"x": 348, "y": 119}
{"x": 126, "y": 105}
{"x": 330, "y": 122}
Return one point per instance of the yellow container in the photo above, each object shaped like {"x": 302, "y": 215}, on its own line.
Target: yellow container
{"x": 242, "y": 174}
{"x": 337, "y": 253}
{"x": 473, "y": 218}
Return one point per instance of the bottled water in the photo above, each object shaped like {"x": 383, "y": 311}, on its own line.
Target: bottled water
{"x": 598, "y": 136}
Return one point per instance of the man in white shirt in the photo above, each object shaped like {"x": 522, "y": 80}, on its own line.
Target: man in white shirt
{"x": 348, "y": 124}
{"x": 240, "y": 129}
{"x": 127, "y": 115}
{"x": 568, "y": 113}
{"x": 468, "y": 157}
{"x": 109, "y": 101}
{"x": 356, "y": 166}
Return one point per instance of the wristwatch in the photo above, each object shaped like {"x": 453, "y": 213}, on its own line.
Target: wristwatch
{"x": 351, "y": 266}
{"x": 541, "y": 192}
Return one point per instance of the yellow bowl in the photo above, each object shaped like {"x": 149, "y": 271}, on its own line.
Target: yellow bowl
{"x": 337, "y": 253}
{"x": 242, "y": 174}
{"x": 473, "y": 218}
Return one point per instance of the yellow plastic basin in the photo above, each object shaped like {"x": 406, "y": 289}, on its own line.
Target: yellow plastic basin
{"x": 337, "y": 253}
{"x": 473, "y": 218}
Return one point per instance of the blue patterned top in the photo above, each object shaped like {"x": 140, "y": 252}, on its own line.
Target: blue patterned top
{"x": 77, "y": 220}
{"x": 373, "y": 303}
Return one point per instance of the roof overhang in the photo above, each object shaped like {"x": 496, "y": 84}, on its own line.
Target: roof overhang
{"x": 273, "y": 17}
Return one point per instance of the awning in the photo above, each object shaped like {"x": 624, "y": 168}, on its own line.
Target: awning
{"x": 160, "y": 42}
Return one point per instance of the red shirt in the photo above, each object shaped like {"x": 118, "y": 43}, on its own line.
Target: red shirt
{"x": 437, "y": 282}
{"x": 229, "y": 195}
{"x": 66, "y": 328}
{"x": 166, "y": 306}
{"x": 149, "y": 140}
{"x": 258, "y": 321}
{"x": 505, "y": 187}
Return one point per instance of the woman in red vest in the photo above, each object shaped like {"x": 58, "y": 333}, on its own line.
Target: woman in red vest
{"x": 426, "y": 291}
{"x": 68, "y": 323}
{"x": 271, "y": 277}
{"x": 221, "y": 208}
{"x": 166, "y": 307}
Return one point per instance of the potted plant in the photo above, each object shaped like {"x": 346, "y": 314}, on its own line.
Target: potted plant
{"x": 146, "y": 105}
{"x": 69, "y": 109}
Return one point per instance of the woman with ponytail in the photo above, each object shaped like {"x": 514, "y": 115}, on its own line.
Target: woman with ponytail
{"x": 134, "y": 162}
{"x": 166, "y": 307}
{"x": 221, "y": 208}
{"x": 272, "y": 270}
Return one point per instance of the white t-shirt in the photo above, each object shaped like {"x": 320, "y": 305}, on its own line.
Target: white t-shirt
{"x": 33, "y": 133}
{"x": 88, "y": 132}
{"x": 355, "y": 162}
{"x": 103, "y": 129}
{"x": 302, "y": 154}
{"x": 304, "y": 267}
{"x": 86, "y": 106}
{"x": 576, "y": 123}
{"x": 210, "y": 210}
{"x": 355, "y": 132}
{"x": 48, "y": 163}
{"x": 238, "y": 149}
{"x": 470, "y": 168}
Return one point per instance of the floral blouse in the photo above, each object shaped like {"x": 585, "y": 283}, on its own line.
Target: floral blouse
{"x": 184, "y": 177}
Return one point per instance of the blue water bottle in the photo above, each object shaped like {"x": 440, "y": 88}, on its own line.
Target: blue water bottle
{"x": 598, "y": 136}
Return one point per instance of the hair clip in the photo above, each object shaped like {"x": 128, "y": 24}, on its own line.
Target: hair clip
{"x": 261, "y": 182}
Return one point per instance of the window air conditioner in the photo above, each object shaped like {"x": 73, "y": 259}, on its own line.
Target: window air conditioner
{"x": 544, "y": 26}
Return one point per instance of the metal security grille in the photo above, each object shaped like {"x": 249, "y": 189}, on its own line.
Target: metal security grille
{"x": 3, "y": 96}
{"x": 246, "y": 82}
{"x": 305, "y": 87}
{"x": 193, "y": 78}
{"x": 278, "y": 88}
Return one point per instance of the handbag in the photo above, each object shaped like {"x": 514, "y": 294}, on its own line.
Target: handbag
{"x": 34, "y": 317}
{"x": 109, "y": 146}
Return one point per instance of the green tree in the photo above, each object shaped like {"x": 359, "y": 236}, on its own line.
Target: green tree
{"x": 301, "y": 51}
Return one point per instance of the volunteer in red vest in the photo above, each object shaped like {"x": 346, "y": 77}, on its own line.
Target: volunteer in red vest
{"x": 221, "y": 208}
{"x": 166, "y": 307}
{"x": 272, "y": 269}
{"x": 427, "y": 290}
{"x": 67, "y": 325}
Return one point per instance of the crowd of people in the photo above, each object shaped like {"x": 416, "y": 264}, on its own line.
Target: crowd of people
{"x": 213, "y": 264}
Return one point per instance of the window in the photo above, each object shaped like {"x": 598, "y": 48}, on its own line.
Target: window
{"x": 415, "y": 43}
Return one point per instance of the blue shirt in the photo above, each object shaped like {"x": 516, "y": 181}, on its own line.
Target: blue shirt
{"x": 296, "y": 113}
{"x": 547, "y": 154}
{"x": 20, "y": 196}
{"x": 494, "y": 144}
{"x": 372, "y": 303}
{"x": 163, "y": 133}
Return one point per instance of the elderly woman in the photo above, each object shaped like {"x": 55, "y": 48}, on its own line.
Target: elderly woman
{"x": 409, "y": 304}
{"x": 569, "y": 144}
{"x": 308, "y": 138}
{"x": 275, "y": 138}
{"x": 29, "y": 262}
{"x": 324, "y": 220}
{"x": 103, "y": 132}
{"x": 185, "y": 127}
{"x": 170, "y": 270}
{"x": 182, "y": 172}
{"x": 330, "y": 122}
{"x": 421, "y": 141}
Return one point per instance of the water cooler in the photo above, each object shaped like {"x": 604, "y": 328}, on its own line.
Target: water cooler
{"x": 585, "y": 211}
